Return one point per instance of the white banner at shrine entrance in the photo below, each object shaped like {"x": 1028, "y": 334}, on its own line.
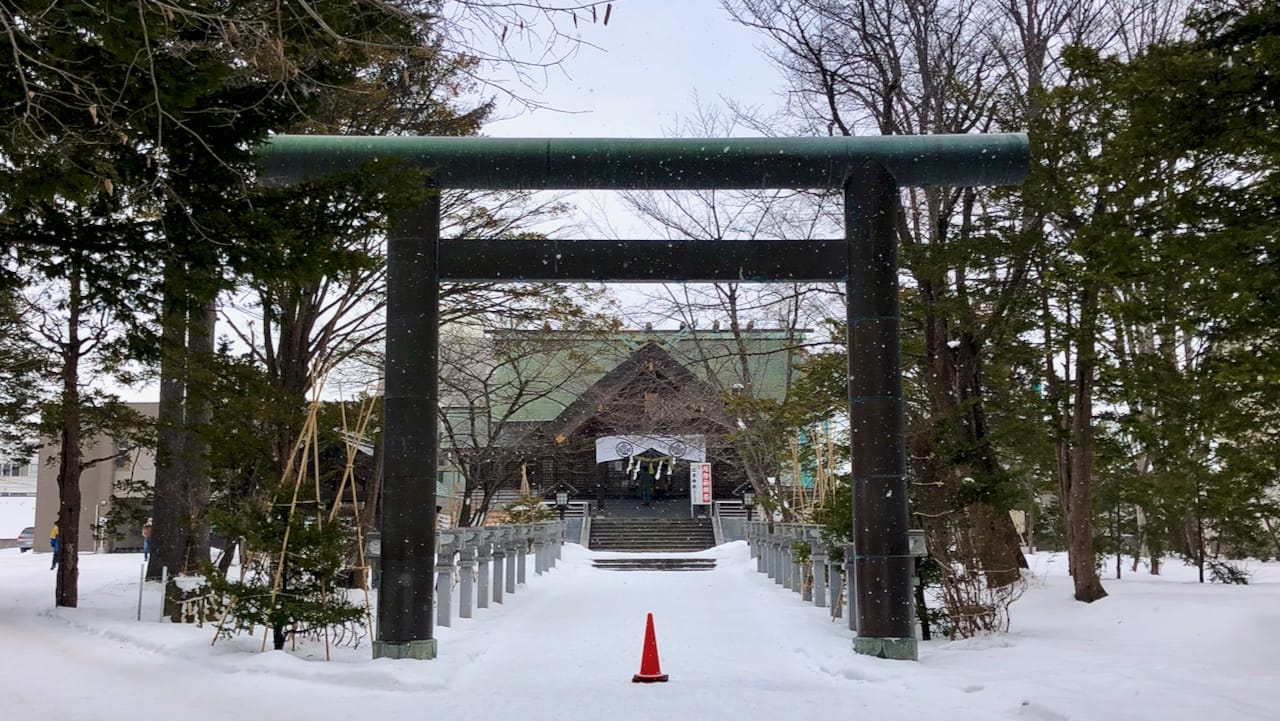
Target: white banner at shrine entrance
{"x": 688, "y": 448}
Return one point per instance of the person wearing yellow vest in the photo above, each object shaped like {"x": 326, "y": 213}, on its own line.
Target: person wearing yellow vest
{"x": 55, "y": 542}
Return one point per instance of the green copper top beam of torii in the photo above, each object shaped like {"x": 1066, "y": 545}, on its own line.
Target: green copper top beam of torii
{"x": 662, "y": 163}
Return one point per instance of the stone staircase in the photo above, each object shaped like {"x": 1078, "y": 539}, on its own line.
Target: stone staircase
{"x": 654, "y": 564}
{"x": 651, "y": 535}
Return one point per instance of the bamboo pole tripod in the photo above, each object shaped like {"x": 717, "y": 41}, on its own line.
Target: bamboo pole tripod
{"x": 303, "y": 465}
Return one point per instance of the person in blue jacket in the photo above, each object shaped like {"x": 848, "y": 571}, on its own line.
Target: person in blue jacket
{"x": 55, "y": 542}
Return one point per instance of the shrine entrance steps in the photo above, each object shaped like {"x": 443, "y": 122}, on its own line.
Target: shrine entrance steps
{"x": 651, "y": 535}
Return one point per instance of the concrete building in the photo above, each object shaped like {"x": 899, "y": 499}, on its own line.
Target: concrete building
{"x": 101, "y": 485}
{"x": 18, "y": 477}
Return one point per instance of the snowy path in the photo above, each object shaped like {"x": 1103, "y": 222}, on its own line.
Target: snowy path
{"x": 736, "y": 647}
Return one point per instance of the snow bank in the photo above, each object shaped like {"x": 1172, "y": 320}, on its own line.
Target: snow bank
{"x": 736, "y": 646}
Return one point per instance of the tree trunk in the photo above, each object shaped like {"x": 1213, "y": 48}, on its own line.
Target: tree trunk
{"x": 1116, "y": 539}
{"x": 180, "y": 529}
{"x": 1140, "y": 520}
{"x": 1199, "y": 536}
{"x": 957, "y": 393}
{"x": 168, "y": 531}
{"x": 1055, "y": 387}
{"x": 290, "y": 365}
{"x": 1088, "y": 587}
{"x": 228, "y": 557}
{"x": 195, "y": 448}
{"x": 1031, "y": 527}
{"x": 68, "y": 560}
{"x": 1001, "y": 549}
{"x": 1137, "y": 551}
{"x": 1271, "y": 531}
{"x": 999, "y": 553}
{"x": 464, "y": 510}
{"x": 922, "y": 609}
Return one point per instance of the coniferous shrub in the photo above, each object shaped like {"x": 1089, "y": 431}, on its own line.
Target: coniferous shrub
{"x": 310, "y": 596}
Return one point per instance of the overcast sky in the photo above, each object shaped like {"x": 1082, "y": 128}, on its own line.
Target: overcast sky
{"x": 642, "y": 75}
{"x": 653, "y": 57}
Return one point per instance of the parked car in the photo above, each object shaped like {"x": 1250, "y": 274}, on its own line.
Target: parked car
{"x": 27, "y": 539}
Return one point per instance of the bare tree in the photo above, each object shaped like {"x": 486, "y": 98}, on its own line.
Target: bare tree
{"x": 746, "y": 414}
{"x": 516, "y": 45}
{"x": 494, "y": 386}
{"x": 914, "y": 66}
{"x": 909, "y": 67}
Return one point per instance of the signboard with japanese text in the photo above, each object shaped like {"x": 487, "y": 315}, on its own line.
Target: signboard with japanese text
{"x": 700, "y": 484}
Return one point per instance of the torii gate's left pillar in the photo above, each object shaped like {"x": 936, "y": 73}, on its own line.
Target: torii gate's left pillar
{"x": 408, "y": 504}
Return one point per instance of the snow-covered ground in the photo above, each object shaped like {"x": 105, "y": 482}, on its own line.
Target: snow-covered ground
{"x": 736, "y": 647}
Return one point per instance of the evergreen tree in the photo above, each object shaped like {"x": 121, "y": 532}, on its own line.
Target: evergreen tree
{"x": 292, "y": 580}
{"x": 130, "y": 151}
{"x": 1156, "y": 169}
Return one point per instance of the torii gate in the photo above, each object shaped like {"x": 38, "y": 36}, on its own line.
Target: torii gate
{"x": 869, "y": 170}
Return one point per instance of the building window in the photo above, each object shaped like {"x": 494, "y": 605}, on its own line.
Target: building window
{"x": 15, "y": 470}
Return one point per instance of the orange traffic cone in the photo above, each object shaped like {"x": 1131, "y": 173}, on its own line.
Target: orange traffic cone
{"x": 650, "y": 669}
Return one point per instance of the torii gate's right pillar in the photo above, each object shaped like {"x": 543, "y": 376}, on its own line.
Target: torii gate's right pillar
{"x": 882, "y": 564}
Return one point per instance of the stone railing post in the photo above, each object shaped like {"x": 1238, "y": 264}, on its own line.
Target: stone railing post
{"x": 513, "y": 556}
{"x": 775, "y": 556}
{"x": 796, "y": 567}
{"x": 539, "y": 549}
{"x": 522, "y": 553}
{"x": 783, "y": 576}
{"x": 759, "y": 545}
{"x": 749, "y": 530}
{"x": 765, "y": 546}
{"x": 499, "y": 555}
{"x": 818, "y": 557}
{"x": 786, "y": 557}
{"x": 762, "y": 547}
{"x": 484, "y": 552}
{"x": 446, "y": 546}
{"x": 833, "y": 588}
{"x": 796, "y": 533}
{"x": 762, "y": 560}
{"x": 778, "y": 552}
{"x": 770, "y": 555}
{"x": 466, "y": 572}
